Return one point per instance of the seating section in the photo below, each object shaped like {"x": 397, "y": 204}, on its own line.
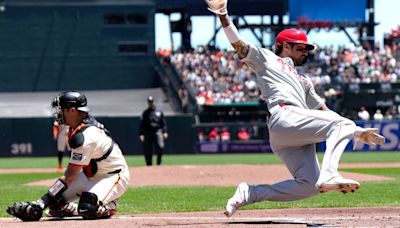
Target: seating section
{"x": 72, "y": 48}
{"x": 343, "y": 76}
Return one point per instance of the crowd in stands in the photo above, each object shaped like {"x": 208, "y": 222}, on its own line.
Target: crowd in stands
{"x": 377, "y": 114}
{"x": 219, "y": 77}
{"x": 216, "y": 76}
{"x": 354, "y": 65}
{"x": 394, "y": 33}
{"x": 216, "y": 134}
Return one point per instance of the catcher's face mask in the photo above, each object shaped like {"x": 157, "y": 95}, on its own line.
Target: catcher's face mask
{"x": 57, "y": 110}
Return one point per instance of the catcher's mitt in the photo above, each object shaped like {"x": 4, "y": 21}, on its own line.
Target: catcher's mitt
{"x": 26, "y": 211}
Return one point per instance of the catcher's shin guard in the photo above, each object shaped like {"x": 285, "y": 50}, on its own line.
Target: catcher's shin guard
{"x": 88, "y": 205}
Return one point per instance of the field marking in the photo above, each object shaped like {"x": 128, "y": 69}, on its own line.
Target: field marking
{"x": 234, "y": 219}
{"x": 256, "y": 218}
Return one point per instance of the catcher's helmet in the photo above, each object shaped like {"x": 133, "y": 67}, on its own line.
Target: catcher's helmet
{"x": 293, "y": 36}
{"x": 71, "y": 99}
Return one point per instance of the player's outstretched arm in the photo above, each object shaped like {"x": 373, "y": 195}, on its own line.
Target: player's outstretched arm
{"x": 219, "y": 7}
{"x": 231, "y": 32}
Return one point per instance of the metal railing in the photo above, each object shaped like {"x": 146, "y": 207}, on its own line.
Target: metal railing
{"x": 181, "y": 94}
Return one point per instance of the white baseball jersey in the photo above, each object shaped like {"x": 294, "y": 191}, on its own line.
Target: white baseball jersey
{"x": 112, "y": 177}
{"x": 96, "y": 143}
{"x": 279, "y": 81}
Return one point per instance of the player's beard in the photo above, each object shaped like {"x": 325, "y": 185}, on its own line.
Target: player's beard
{"x": 301, "y": 61}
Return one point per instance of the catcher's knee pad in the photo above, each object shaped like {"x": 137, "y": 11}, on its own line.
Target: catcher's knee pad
{"x": 88, "y": 205}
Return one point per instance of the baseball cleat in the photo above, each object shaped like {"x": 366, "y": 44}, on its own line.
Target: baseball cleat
{"x": 104, "y": 212}
{"x": 69, "y": 210}
{"x": 339, "y": 184}
{"x": 240, "y": 198}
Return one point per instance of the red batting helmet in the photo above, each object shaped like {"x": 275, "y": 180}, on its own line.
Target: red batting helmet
{"x": 293, "y": 36}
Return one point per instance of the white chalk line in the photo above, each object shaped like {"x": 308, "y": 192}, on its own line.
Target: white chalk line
{"x": 234, "y": 219}
{"x": 258, "y": 218}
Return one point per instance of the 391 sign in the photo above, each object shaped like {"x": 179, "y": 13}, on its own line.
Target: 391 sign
{"x": 21, "y": 148}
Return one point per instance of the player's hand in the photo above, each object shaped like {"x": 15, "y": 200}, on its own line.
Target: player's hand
{"x": 165, "y": 135}
{"x": 141, "y": 137}
{"x": 217, "y": 6}
{"x": 369, "y": 136}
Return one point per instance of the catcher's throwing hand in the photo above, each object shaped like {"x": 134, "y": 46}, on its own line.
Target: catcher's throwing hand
{"x": 26, "y": 211}
{"x": 217, "y": 6}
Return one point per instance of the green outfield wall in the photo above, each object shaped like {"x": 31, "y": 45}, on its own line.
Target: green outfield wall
{"x": 33, "y": 136}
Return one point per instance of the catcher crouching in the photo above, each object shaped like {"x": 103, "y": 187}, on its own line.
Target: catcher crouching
{"x": 97, "y": 173}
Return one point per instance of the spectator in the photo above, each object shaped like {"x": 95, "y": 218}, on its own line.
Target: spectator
{"x": 225, "y": 134}
{"x": 378, "y": 116}
{"x": 183, "y": 95}
{"x": 388, "y": 115}
{"x": 213, "y": 135}
{"x": 243, "y": 134}
{"x": 363, "y": 114}
{"x": 201, "y": 136}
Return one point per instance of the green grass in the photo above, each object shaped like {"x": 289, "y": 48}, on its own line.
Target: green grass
{"x": 202, "y": 159}
{"x": 13, "y": 190}
{"x": 179, "y": 199}
{"x": 389, "y": 172}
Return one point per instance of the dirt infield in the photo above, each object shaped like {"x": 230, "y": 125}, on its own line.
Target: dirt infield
{"x": 309, "y": 217}
{"x": 228, "y": 175}
{"x": 214, "y": 175}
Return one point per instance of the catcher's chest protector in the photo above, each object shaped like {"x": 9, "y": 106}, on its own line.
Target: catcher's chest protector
{"x": 76, "y": 139}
